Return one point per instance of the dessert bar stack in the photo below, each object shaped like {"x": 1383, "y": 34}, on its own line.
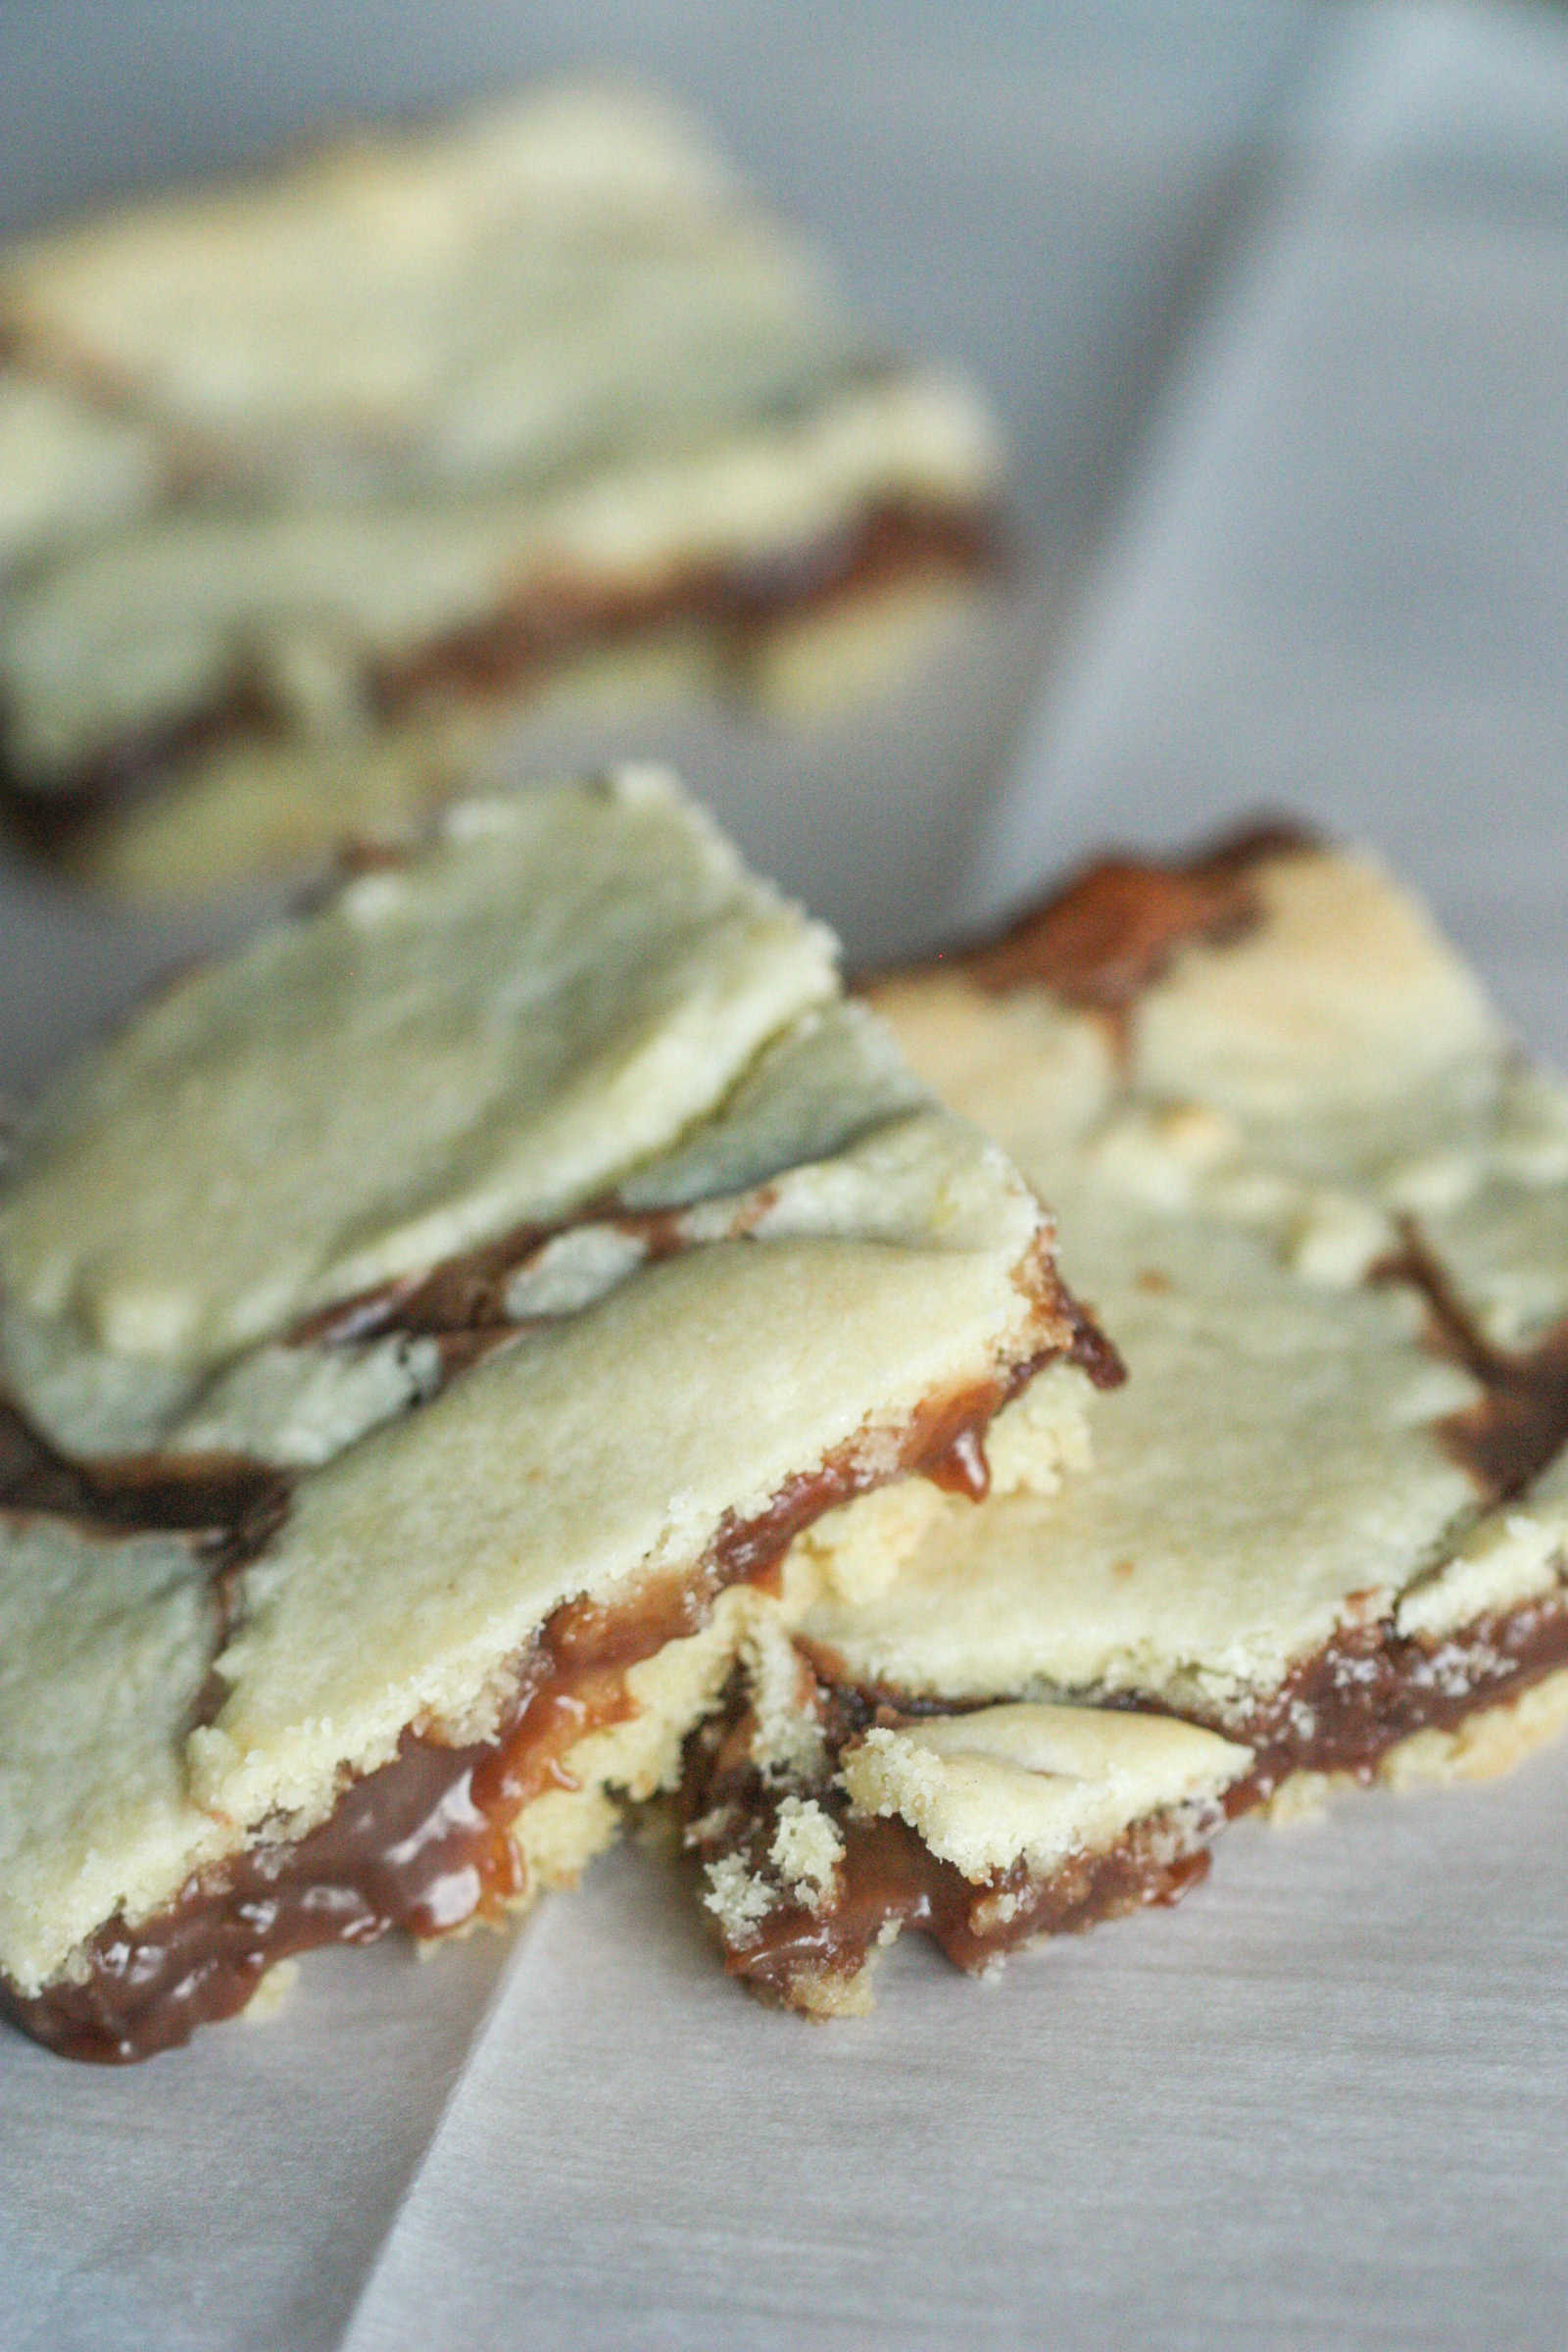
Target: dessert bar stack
{"x": 307, "y": 483}
{"x": 433, "y": 1341}
{"x": 516, "y": 1339}
{"x": 516, "y": 1342}
{"x": 1321, "y": 1202}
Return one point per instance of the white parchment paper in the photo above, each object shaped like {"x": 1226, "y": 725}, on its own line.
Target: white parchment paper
{"x": 1277, "y": 302}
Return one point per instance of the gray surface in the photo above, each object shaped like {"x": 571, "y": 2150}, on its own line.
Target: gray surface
{"x": 1295, "y": 404}
{"x": 1319, "y": 2105}
{"x": 1340, "y": 581}
{"x": 235, "y": 2193}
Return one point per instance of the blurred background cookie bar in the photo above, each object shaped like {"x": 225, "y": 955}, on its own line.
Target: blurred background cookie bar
{"x": 307, "y": 485}
{"x": 430, "y": 1337}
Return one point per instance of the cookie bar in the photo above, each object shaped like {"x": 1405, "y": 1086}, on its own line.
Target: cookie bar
{"x": 1322, "y": 1203}
{"x": 306, "y": 484}
{"x": 425, "y": 1334}
{"x": 829, "y": 1819}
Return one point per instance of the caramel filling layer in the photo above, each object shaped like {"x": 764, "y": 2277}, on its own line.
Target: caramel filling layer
{"x": 1369, "y": 1687}
{"x": 891, "y": 1880}
{"x": 422, "y": 1842}
{"x": 1519, "y": 1424}
{"x": 546, "y": 627}
{"x": 465, "y": 1297}
{"x": 1341, "y": 1711}
{"x": 1114, "y": 928}
{"x": 1097, "y": 944}
{"x": 805, "y": 1954}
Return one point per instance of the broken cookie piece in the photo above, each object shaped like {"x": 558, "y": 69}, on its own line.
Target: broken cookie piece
{"x": 1322, "y": 1201}
{"x": 826, "y": 1834}
{"x": 428, "y": 1336}
{"x": 320, "y": 478}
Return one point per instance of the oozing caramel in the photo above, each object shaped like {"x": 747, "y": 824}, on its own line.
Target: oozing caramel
{"x": 806, "y": 1954}
{"x": 1339, "y": 1711}
{"x": 891, "y": 1879}
{"x": 423, "y": 1844}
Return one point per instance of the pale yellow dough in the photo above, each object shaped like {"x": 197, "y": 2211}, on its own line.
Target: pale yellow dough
{"x": 1271, "y": 1472}
{"x": 578, "y": 996}
{"x": 1034, "y": 1784}
{"x": 1231, "y": 1162}
{"x": 264, "y": 447}
{"x": 552, "y": 992}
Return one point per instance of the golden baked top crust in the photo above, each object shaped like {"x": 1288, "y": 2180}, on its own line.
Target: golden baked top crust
{"x": 555, "y": 1129}
{"x": 1321, "y": 1202}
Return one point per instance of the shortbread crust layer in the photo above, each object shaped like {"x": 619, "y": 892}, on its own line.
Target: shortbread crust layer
{"x": 1368, "y": 1701}
{"x": 975, "y": 1854}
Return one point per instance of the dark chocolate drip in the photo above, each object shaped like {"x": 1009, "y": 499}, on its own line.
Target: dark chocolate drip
{"x": 467, "y": 1294}
{"x": 509, "y": 651}
{"x": 1115, "y": 927}
{"x": 1519, "y": 1425}
{"x": 237, "y": 1502}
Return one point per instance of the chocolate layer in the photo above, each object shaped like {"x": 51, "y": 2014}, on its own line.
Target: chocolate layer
{"x": 1520, "y": 1423}
{"x": 543, "y": 629}
{"x": 234, "y": 1500}
{"x": 423, "y": 1844}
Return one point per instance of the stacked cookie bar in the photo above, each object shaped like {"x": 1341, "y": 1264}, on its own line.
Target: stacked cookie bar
{"x": 1321, "y": 1202}
{"x": 306, "y": 485}
{"x": 431, "y": 1338}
